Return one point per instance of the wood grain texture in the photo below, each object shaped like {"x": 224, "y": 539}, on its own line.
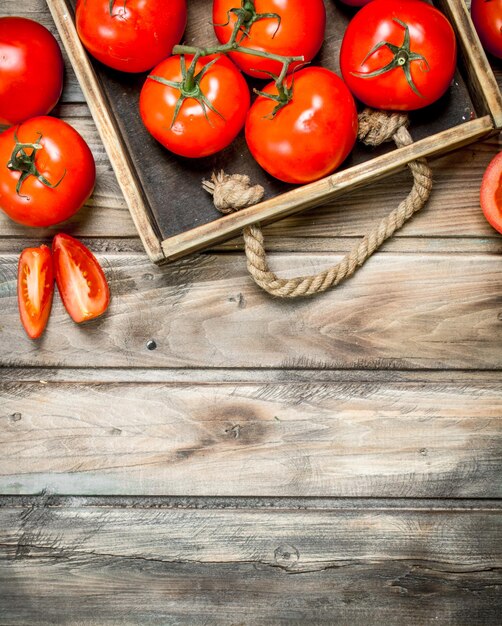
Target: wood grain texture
{"x": 261, "y": 439}
{"x": 101, "y": 565}
{"x": 400, "y": 312}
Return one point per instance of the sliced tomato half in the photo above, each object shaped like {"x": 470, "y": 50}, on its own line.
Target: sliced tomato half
{"x": 80, "y": 279}
{"x": 35, "y": 288}
{"x": 491, "y": 193}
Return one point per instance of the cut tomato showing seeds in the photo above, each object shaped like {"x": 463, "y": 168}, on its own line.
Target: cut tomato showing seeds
{"x": 491, "y": 193}
{"x": 80, "y": 279}
{"x": 35, "y": 288}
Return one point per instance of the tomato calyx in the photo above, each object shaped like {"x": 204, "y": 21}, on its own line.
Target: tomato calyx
{"x": 246, "y": 16}
{"x": 283, "y": 97}
{"x": 22, "y": 162}
{"x": 189, "y": 87}
{"x": 403, "y": 57}
{"x": 110, "y": 8}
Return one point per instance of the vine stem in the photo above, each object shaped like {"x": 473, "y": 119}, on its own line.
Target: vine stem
{"x": 228, "y": 47}
{"x": 234, "y": 47}
{"x": 189, "y": 85}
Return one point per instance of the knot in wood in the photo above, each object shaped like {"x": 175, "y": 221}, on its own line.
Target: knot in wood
{"x": 377, "y": 127}
{"x": 232, "y": 192}
{"x": 286, "y": 556}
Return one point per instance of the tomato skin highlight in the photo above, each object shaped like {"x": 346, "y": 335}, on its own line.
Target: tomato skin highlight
{"x": 431, "y": 36}
{"x": 309, "y": 137}
{"x": 64, "y": 156}
{"x": 31, "y": 70}
{"x": 81, "y": 281}
{"x": 487, "y": 18}
{"x": 137, "y": 34}
{"x": 35, "y": 288}
{"x": 301, "y": 32}
{"x": 491, "y": 193}
{"x": 192, "y": 135}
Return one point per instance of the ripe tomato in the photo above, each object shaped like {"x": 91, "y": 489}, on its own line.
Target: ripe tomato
{"x": 206, "y": 117}
{"x": 81, "y": 282}
{"x": 298, "y": 32}
{"x": 491, "y": 193}
{"x": 31, "y": 70}
{"x": 398, "y": 54}
{"x": 35, "y": 288}
{"x": 130, "y": 35}
{"x": 487, "y": 18}
{"x": 47, "y": 171}
{"x": 311, "y": 135}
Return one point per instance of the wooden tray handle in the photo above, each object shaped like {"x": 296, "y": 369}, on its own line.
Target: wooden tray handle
{"x": 234, "y": 192}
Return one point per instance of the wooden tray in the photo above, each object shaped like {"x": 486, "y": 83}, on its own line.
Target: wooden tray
{"x": 175, "y": 216}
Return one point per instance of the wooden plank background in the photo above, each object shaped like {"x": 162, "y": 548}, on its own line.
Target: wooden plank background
{"x": 335, "y": 460}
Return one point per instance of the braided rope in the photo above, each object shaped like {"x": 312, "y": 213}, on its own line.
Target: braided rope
{"x": 375, "y": 127}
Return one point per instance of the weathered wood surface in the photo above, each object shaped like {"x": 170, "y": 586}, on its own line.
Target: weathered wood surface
{"x": 254, "y": 439}
{"x": 90, "y": 410}
{"x": 191, "y": 563}
{"x": 399, "y": 311}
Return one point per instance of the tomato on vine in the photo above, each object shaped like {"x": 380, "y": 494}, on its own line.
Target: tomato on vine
{"x": 47, "y": 171}
{"x": 282, "y": 27}
{"x": 487, "y": 18}
{"x": 31, "y": 70}
{"x": 398, "y": 54}
{"x": 305, "y": 132}
{"x": 130, "y": 35}
{"x": 194, "y": 107}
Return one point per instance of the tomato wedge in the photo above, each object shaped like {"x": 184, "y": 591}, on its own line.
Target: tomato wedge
{"x": 35, "y": 288}
{"x": 80, "y": 279}
{"x": 491, "y": 193}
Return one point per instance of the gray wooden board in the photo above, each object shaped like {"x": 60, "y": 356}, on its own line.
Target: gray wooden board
{"x": 400, "y": 311}
{"x": 140, "y": 560}
{"x": 192, "y": 563}
{"x": 161, "y": 171}
{"x": 282, "y": 437}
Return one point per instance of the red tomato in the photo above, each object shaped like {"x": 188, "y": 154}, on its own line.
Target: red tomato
{"x": 487, "y": 18}
{"x": 299, "y": 32}
{"x": 130, "y": 35}
{"x": 212, "y": 111}
{"x": 31, "y": 70}
{"x": 491, "y": 193}
{"x": 398, "y": 54}
{"x": 35, "y": 288}
{"x": 310, "y": 136}
{"x": 81, "y": 282}
{"x": 47, "y": 171}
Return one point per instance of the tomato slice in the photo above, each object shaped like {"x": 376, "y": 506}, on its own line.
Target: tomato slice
{"x": 491, "y": 193}
{"x": 35, "y": 288}
{"x": 80, "y": 279}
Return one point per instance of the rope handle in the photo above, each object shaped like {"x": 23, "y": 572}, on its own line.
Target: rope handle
{"x": 234, "y": 192}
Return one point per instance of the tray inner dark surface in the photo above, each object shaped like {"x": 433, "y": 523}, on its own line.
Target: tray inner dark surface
{"x": 172, "y": 185}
